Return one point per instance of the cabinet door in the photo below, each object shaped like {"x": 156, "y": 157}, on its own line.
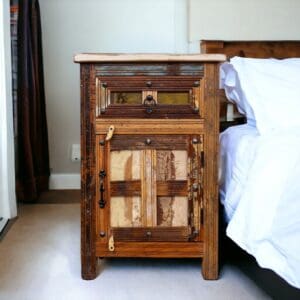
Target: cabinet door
{"x": 154, "y": 187}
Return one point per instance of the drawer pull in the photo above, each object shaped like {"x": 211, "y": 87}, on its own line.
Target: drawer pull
{"x": 149, "y": 101}
{"x": 149, "y": 83}
{"x": 148, "y": 142}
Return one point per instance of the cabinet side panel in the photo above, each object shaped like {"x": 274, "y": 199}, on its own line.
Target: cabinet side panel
{"x": 88, "y": 255}
{"x": 210, "y": 267}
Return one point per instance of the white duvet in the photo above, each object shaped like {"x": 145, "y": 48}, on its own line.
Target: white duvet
{"x": 260, "y": 190}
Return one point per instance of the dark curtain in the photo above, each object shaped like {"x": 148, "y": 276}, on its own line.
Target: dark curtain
{"x": 32, "y": 143}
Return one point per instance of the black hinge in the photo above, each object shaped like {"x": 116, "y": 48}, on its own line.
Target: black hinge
{"x": 202, "y": 158}
{"x": 201, "y": 216}
{"x": 194, "y": 234}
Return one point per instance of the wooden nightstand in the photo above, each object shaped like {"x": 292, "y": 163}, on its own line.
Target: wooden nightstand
{"x": 149, "y": 142}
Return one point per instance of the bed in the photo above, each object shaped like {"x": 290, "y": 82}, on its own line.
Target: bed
{"x": 260, "y": 160}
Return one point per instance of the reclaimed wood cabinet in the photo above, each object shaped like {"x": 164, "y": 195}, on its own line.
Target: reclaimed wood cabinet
{"x": 149, "y": 145}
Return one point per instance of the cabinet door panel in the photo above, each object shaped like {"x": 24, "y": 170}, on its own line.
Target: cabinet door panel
{"x": 125, "y": 211}
{"x": 172, "y": 211}
{"x": 150, "y": 187}
{"x": 171, "y": 165}
{"x": 125, "y": 165}
{"x": 125, "y": 188}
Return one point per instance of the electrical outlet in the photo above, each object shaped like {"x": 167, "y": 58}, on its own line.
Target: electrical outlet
{"x": 75, "y": 156}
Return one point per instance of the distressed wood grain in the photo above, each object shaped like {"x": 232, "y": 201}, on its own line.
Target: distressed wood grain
{"x": 125, "y": 211}
{"x": 160, "y": 183}
{"x": 88, "y": 174}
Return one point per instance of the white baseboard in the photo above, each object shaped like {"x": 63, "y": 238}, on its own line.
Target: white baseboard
{"x": 3, "y": 223}
{"x": 66, "y": 181}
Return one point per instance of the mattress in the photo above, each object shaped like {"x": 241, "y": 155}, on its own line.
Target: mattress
{"x": 238, "y": 144}
{"x": 260, "y": 191}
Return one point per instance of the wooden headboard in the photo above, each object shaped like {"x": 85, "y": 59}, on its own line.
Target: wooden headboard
{"x": 255, "y": 49}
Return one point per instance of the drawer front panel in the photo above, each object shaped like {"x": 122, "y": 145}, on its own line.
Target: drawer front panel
{"x": 151, "y": 97}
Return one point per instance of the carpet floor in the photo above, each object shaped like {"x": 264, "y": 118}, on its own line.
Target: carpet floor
{"x": 40, "y": 260}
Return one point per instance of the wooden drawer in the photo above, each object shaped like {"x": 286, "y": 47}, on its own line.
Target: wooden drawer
{"x": 149, "y": 97}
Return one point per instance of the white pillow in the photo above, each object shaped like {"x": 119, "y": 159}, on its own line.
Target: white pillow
{"x": 229, "y": 81}
{"x": 267, "y": 91}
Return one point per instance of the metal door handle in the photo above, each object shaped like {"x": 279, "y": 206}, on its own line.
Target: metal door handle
{"x": 102, "y": 175}
{"x": 102, "y": 202}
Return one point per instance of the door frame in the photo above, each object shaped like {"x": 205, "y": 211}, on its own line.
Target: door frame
{"x": 8, "y": 206}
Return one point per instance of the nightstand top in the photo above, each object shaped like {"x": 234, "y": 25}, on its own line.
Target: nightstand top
{"x": 147, "y": 57}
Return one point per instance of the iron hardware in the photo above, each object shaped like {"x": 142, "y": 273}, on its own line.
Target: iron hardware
{"x": 148, "y": 233}
{"x": 149, "y": 83}
{"x": 202, "y": 158}
{"x": 149, "y": 100}
{"x": 102, "y": 233}
{"x": 195, "y": 187}
{"x": 149, "y": 110}
{"x": 102, "y": 202}
{"x": 194, "y": 234}
{"x": 148, "y": 141}
{"x": 195, "y": 141}
{"x": 196, "y": 83}
{"x": 102, "y": 173}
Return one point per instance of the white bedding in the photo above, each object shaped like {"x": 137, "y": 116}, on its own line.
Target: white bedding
{"x": 260, "y": 190}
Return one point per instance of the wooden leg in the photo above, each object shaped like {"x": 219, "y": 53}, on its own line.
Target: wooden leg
{"x": 88, "y": 267}
{"x": 210, "y": 268}
{"x": 210, "y": 262}
{"x": 88, "y": 175}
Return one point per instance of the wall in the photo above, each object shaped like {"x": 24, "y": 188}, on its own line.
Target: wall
{"x": 8, "y": 207}
{"x": 74, "y": 26}
{"x": 244, "y": 19}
